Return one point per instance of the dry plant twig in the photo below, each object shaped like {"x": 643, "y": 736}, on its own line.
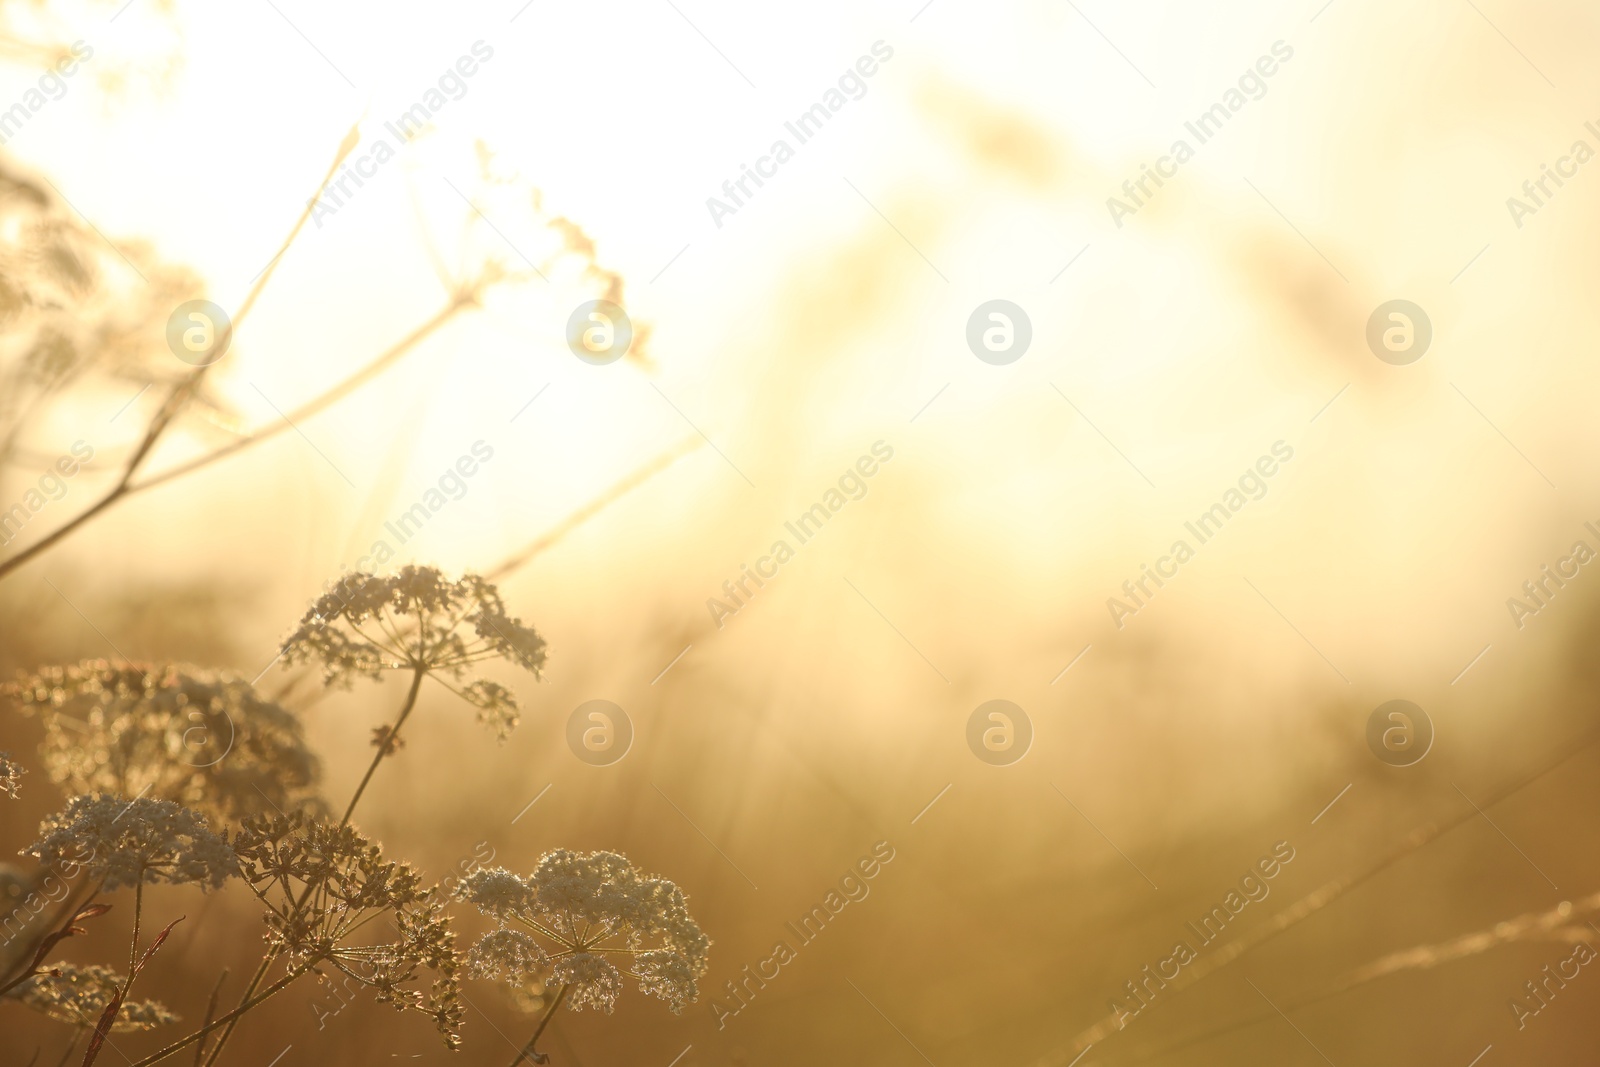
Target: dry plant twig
{"x": 182, "y": 392}
{"x": 1321, "y": 898}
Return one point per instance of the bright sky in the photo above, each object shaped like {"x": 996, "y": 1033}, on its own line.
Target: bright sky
{"x": 831, "y": 308}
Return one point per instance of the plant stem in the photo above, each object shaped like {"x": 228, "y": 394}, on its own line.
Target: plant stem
{"x": 251, "y": 1002}
{"x": 457, "y": 303}
{"x": 249, "y": 991}
{"x": 211, "y": 1013}
{"x": 63, "y": 918}
{"x": 66, "y": 1054}
{"x": 133, "y": 945}
{"x": 527, "y": 1052}
{"x": 388, "y": 742}
{"x": 183, "y": 391}
{"x": 261, "y": 971}
{"x": 255, "y": 982}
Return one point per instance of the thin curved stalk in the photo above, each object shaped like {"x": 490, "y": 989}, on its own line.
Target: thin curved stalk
{"x": 211, "y": 1013}
{"x": 182, "y": 1043}
{"x": 528, "y": 1052}
{"x": 249, "y": 991}
{"x": 1314, "y": 902}
{"x": 261, "y": 971}
{"x": 133, "y": 942}
{"x": 418, "y": 674}
{"x": 69, "y": 906}
{"x": 184, "y": 390}
{"x": 594, "y": 507}
{"x": 457, "y": 303}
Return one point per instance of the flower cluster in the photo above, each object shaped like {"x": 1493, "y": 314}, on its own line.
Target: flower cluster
{"x": 588, "y": 908}
{"x": 10, "y": 776}
{"x": 323, "y": 884}
{"x": 129, "y": 842}
{"x": 204, "y": 741}
{"x": 79, "y": 995}
{"x": 418, "y": 621}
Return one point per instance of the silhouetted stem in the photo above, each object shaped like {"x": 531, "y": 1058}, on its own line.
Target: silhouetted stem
{"x": 178, "y": 1046}
{"x": 211, "y": 1013}
{"x": 183, "y": 390}
{"x": 389, "y": 741}
{"x": 528, "y": 1052}
{"x": 255, "y": 982}
{"x": 249, "y": 991}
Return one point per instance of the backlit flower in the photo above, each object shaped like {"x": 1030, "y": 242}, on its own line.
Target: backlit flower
{"x": 601, "y": 919}
{"x": 79, "y": 994}
{"x": 205, "y": 741}
{"x": 418, "y": 621}
{"x": 126, "y": 842}
{"x": 328, "y": 892}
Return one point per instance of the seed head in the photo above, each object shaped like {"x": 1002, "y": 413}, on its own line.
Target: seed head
{"x": 327, "y": 890}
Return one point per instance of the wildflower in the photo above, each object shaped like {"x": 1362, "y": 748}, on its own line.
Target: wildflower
{"x": 356, "y": 629}
{"x": 135, "y": 842}
{"x": 206, "y": 741}
{"x": 416, "y": 621}
{"x": 10, "y": 776}
{"x": 602, "y": 920}
{"x": 79, "y": 994}
{"x": 324, "y": 884}
{"x": 509, "y": 953}
{"x": 498, "y": 892}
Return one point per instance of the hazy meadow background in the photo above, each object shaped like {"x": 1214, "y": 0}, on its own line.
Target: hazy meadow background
{"x": 827, "y": 314}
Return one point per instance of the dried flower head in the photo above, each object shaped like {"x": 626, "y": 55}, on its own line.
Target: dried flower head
{"x": 75, "y": 307}
{"x": 416, "y": 620}
{"x": 328, "y": 889}
{"x": 601, "y": 918}
{"x": 205, "y": 741}
{"x": 127, "y": 842}
{"x": 79, "y": 995}
{"x": 10, "y": 776}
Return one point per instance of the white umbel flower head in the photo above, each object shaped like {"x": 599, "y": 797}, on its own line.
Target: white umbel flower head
{"x": 509, "y": 953}
{"x": 417, "y": 620}
{"x": 592, "y": 980}
{"x": 127, "y": 842}
{"x": 593, "y": 917}
{"x": 497, "y": 892}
